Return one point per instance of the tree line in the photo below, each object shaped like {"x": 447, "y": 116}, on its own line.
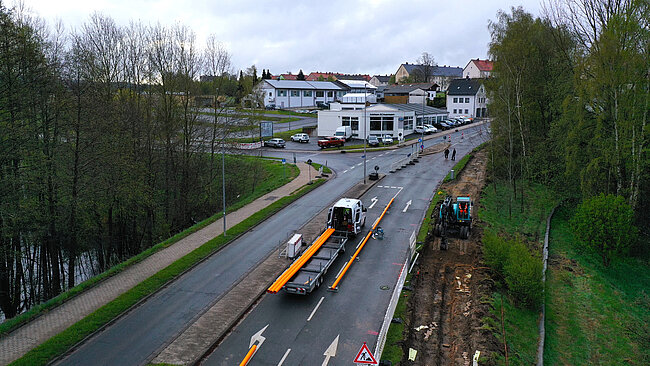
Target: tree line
{"x": 569, "y": 95}
{"x": 102, "y": 151}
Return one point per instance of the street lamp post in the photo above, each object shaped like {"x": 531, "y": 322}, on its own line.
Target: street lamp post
{"x": 365, "y": 123}
{"x": 223, "y": 165}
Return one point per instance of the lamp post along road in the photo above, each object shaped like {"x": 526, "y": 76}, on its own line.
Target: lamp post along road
{"x": 365, "y": 123}
{"x": 223, "y": 164}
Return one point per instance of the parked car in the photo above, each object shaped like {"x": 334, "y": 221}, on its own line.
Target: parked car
{"x": 421, "y": 129}
{"x": 387, "y": 139}
{"x": 447, "y": 124}
{"x": 373, "y": 141}
{"x": 270, "y": 107}
{"x": 274, "y": 142}
{"x": 330, "y": 141}
{"x": 300, "y": 137}
{"x": 432, "y": 129}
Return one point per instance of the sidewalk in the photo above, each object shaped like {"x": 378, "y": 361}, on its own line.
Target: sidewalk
{"x": 51, "y": 323}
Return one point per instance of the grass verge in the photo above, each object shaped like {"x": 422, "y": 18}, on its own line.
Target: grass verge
{"x": 392, "y": 349}
{"x": 63, "y": 341}
{"x": 603, "y": 312}
{"x": 274, "y": 181}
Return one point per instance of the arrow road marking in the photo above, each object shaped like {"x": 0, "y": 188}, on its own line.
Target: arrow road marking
{"x": 330, "y": 351}
{"x": 407, "y": 205}
{"x": 284, "y": 357}
{"x": 316, "y": 308}
{"x": 257, "y": 337}
{"x": 374, "y": 200}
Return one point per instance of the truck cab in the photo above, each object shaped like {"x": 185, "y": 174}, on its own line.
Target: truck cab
{"x": 347, "y": 215}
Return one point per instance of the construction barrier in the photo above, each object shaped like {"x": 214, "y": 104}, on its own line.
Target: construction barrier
{"x": 401, "y": 163}
{"x": 298, "y": 263}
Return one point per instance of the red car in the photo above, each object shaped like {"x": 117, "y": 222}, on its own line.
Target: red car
{"x": 330, "y": 141}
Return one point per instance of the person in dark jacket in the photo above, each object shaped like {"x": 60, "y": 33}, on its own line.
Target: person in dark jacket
{"x": 446, "y": 153}
{"x": 453, "y": 155}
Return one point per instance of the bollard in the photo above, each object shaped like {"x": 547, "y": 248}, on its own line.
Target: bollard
{"x": 451, "y": 174}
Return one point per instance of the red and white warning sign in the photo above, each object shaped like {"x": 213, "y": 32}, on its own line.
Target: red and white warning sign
{"x": 365, "y": 357}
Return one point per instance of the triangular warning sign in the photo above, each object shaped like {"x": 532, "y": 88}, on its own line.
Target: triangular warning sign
{"x": 365, "y": 357}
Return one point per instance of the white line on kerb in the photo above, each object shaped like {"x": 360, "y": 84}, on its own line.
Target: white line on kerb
{"x": 284, "y": 357}
{"x": 316, "y": 308}
{"x": 341, "y": 270}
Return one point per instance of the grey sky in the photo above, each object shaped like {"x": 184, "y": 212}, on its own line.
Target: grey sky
{"x": 366, "y": 36}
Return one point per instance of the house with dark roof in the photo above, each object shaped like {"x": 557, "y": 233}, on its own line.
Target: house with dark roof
{"x": 478, "y": 69}
{"x": 441, "y": 75}
{"x": 467, "y": 97}
{"x": 408, "y": 93}
{"x": 300, "y": 93}
{"x": 379, "y": 80}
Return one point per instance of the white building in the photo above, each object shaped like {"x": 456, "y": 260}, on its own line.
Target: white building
{"x": 476, "y": 69}
{"x": 398, "y": 120}
{"x": 299, "y": 93}
{"x": 467, "y": 97}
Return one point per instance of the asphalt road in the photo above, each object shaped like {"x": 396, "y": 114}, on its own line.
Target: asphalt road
{"x": 301, "y": 328}
{"x": 140, "y": 335}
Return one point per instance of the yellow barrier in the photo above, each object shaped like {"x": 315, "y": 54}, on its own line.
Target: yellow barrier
{"x": 338, "y": 279}
{"x": 249, "y": 355}
{"x": 293, "y": 269}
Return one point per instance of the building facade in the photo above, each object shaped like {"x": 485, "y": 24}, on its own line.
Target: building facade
{"x": 300, "y": 94}
{"x": 441, "y": 75}
{"x": 476, "y": 69}
{"x": 467, "y": 97}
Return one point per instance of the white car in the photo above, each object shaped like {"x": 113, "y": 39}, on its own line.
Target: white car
{"x": 300, "y": 137}
{"x": 274, "y": 142}
{"x": 387, "y": 139}
{"x": 432, "y": 129}
{"x": 421, "y": 129}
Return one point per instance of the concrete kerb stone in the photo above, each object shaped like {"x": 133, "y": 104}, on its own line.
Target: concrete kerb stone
{"x": 183, "y": 349}
{"x": 112, "y": 321}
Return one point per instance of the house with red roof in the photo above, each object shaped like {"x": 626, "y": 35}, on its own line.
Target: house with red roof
{"x": 477, "y": 69}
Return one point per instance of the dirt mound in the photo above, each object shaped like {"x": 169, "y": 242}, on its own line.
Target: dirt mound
{"x": 450, "y": 288}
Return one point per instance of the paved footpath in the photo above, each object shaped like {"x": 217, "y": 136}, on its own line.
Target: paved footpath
{"x": 22, "y": 340}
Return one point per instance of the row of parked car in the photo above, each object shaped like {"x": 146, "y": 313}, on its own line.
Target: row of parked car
{"x": 443, "y": 125}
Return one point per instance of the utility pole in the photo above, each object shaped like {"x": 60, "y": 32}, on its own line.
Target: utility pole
{"x": 365, "y": 123}
{"x": 223, "y": 164}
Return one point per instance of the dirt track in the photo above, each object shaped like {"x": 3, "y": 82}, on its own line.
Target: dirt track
{"x": 446, "y": 308}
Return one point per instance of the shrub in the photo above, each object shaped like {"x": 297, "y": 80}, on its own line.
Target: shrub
{"x": 495, "y": 251}
{"x": 605, "y": 224}
{"x": 523, "y": 275}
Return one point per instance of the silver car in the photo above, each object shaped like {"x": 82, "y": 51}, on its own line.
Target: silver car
{"x": 274, "y": 142}
{"x": 387, "y": 139}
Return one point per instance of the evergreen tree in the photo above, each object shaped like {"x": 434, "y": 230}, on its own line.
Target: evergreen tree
{"x": 301, "y": 76}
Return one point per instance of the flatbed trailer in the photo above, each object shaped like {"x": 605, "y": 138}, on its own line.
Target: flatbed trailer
{"x": 311, "y": 274}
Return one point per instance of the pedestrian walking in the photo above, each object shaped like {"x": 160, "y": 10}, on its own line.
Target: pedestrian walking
{"x": 446, "y": 154}
{"x": 453, "y": 155}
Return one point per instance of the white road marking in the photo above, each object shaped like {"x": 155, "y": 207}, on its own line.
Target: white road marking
{"x": 284, "y": 357}
{"x": 316, "y": 308}
{"x": 352, "y": 167}
{"x": 359, "y": 164}
{"x": 407, "y": 206}
{"x": 341, "y": 270}
{"x": 374, "y": 158}
{"x": 374, "y": 200}
{"x": 345, "y": 171}
{"x": 380, "y": 186}
{"x": 393, "y": 187}
{"x": 331, "y": 351}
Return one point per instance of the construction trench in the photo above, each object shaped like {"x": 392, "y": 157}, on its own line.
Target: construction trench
{"x": 451, "y": 288}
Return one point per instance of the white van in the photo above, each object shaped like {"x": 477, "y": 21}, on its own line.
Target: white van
{"x": 347, "y": 215}
{"x": 344, "y": 132}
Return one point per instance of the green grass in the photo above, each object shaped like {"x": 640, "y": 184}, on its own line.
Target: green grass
{"x": 326, "y": 170}
{"x": 458, "y": 167}
{"x": 521, "y": 331}
{"x": 274, "y": 181}
{"x": 426, "y": 223}
{"x": 603, "y": 312}
{"x": 60, "y": 343}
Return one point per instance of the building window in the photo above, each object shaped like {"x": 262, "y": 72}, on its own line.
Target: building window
{"x": 345, "y": 121}
{"x": 306, "y": 93}
{"x": 466, "y": 111}
{"x": 282, "y": 93}
{"x": 330, "y": 94}
{"x": 270, "y": 94}
{"x": 295, "y": 93}
{"x": 454, "y": 111}
{"x": 466, "y": 101}
{"x": 319, "y": 94}
{"x": 375, "y": 123}
{"x": 387, "y": 123}
{"x": 339, "y": 94}
{"x": 354, "y": 123}
{"x": 408, "y": 122}
{"x": 455, "y": 100}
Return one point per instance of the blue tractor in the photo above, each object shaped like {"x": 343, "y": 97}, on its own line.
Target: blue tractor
{"x": 454, "y": 218}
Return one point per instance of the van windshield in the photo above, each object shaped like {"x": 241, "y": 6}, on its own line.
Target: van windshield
{"x": 340, "y": 133}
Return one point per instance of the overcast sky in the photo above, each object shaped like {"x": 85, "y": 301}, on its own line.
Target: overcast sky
{"x": 348, "y": 36}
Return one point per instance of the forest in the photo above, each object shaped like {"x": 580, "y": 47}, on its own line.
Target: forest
{"x": 569, "y": 101}
{"x": 102, "y": 151}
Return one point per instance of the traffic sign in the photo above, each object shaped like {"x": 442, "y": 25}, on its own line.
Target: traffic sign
{"x": 284, "y": 161}
{"x": 365, "y": 357}
{"x": 420, "y": 140}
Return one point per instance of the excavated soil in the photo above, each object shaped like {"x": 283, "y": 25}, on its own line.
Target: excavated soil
{"x": 450, "y": 290}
